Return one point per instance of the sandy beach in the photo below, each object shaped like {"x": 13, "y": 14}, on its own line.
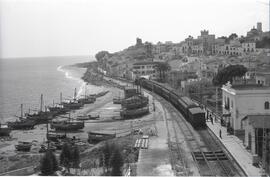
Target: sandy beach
{"x": 109, "y": 122}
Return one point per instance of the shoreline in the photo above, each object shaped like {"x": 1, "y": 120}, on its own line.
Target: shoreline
{"x": 107, "y": 123}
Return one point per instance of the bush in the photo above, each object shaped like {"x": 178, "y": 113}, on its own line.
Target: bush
{"x": 49, "y": 164}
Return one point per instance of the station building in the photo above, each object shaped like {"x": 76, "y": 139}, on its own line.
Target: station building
{"x": 243, "y": 100}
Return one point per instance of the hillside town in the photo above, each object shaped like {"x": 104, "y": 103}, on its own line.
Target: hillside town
{"x": 190, "y": 68}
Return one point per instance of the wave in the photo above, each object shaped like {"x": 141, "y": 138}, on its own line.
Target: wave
{"x": 68, "y": 75}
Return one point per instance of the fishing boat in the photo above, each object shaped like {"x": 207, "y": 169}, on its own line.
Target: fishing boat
{"x": 4, "y": 130}
{"x": 102, "y": 93}
{"x": 117, "y": 100}
{"x": 72, "y": 104}
{"x": 87, "y": 117}
{"x": 95, "y": 137}
{"x": 22, "y": 122}
{"x": 23, "y": 146}
{"x": 134, "y": 102}
{"x": 87, "y": 99}
{"x": 41, "y": 116}
{"x": 53, "y": 136}
{"x": 58, "y": 109}
{"x": 134, "y": 113}
{"x": 67, "y": 125}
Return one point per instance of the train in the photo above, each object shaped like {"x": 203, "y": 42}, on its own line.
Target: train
{"x": 191, "y": 111}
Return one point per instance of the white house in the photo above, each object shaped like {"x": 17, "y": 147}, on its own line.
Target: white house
{"x": 243, "y": 100}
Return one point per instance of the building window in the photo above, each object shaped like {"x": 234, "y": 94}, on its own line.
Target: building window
{"x": 266, "y": 105}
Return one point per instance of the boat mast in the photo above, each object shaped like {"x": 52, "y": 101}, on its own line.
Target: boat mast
{"x": 75, "y": 93}
{"x": 41, "y": 102}
{"x": 60, "y": 97}
{"x": 85, "y": 91}
{"x": 21, "y": 110}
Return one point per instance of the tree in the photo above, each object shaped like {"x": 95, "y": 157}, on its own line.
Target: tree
{"x": 48, "y": 164}
{"x": 76, "y": 157}
{"x": 65, "y": 156}
{"x": 228, "y": 73}
{"x": 99, "y": 56}
{"x": 233, "y": 36}
{"x": 117, "y": 163}
{"x": 162, "y": 67}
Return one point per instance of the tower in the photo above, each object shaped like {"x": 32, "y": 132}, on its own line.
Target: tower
{"x": 259, "y": 27}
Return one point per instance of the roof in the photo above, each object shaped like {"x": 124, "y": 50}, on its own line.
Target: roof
{"x": 196, "y": 110}
{"x": 146, "y": 63}
{"x": 250, "y": 87}
{"x": 258, "y": 121}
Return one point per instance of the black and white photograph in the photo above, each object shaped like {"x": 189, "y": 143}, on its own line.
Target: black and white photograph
{"x": 135, "y": 88}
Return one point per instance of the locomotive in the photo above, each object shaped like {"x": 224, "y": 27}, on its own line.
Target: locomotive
{"x": 188, "y": 108}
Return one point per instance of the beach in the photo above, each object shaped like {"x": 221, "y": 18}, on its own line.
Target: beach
{"x": 109, "y": 122}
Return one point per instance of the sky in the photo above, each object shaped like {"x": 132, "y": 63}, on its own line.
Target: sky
{"x": 36, "y": 28}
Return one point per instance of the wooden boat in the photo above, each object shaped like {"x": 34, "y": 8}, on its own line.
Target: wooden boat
{"x": 22, "y": 123}
{"x": 87, "y": 99}
{"x": 56, "y": 137}
{"x": 72, "y": 104}
{"x": 67, "y": 125}
{"x": 58, "y": 109}
{"x": 23, "y": 146}
{"x": 87, "y": 117}
{"x": 134, "y": 102}
{"x": 4, "y": 130}
{"x": 102, "y": 93}
{"x": 41, "y": 116}
{"x": 117, "y": 100}
{"x": 134, "y": 113}
{"x": 95, "y": 137}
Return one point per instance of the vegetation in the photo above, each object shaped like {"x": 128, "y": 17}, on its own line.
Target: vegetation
{"x": 264, "y": 43}
{"x": 117, "y": 163}
{"x": 70, "y": 156}
{"x": 100, "y": 55}
{"x": 49, "y": 164}
{"x": 162, "y": 68}
{"x": 228, "y": 73}
{"x": 111, "y": 159}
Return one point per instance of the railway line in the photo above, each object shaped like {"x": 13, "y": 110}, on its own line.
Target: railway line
{"x": 209, "y": 156}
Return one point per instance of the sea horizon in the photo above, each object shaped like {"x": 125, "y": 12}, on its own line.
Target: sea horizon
{"x": 22, "y": 81}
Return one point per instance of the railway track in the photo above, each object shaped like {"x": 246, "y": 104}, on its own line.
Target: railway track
{"x": 209, "y": 156}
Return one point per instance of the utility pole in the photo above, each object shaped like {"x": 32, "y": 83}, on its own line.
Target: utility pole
{"x": 216, "y": 102}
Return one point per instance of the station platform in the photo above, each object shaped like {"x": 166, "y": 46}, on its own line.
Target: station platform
{"x": 236, "y": 148}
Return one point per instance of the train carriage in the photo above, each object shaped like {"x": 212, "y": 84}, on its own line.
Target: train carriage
{"x": 197, "y": 117}
{"x": 189, "y": 109}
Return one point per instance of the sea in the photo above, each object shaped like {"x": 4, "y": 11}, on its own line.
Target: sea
{"x": 23, "y": 80}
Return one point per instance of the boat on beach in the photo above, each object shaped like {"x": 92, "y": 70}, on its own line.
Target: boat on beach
{"x": 134, "y": 113}
{"x": 95, "y": 137}
{"x": 87, "y": 117}
{"x": 67, "y": 125}
{"x": 102, "y": 93}
{"x": 134, "y": 102}
{"x": 54, "y": 136}
{"x": 41, "y": 116}
{"x": 57, "y": 109}
{"x": 87, "y": 99}
{"x": 22, "y": 122}
{"x": 4, "y": 130}
{"x": 23, "y": 146}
